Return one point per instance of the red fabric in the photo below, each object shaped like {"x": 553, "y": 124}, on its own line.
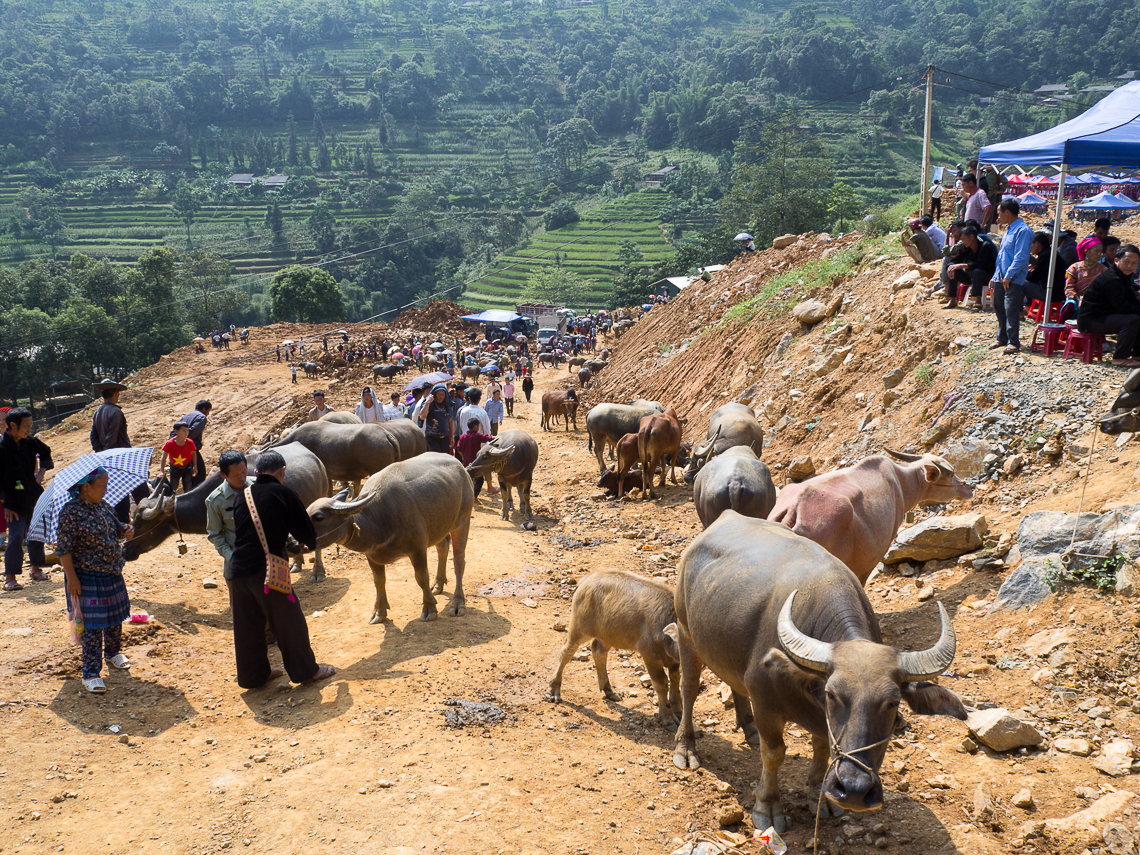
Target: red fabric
{"x": 469, "y": 445}
{"x": 177, "y": 452}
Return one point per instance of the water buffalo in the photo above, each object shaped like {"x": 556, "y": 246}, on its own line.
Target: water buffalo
{"x": 512, "y": 454}
{"x": 470, "y": 372}
{"x": 622, "y": 610}
{"x": 1125, "y": 413}
{"x": 402, "y": 511}
{"x": 341, "y": 417}
{"x": 604, "y": 354}
{"x": 736, "y": 480}
{"x": 729, "y": 426}
{"x": 351, "y": 453}
{"x": 855, "y": 512}
{"x": 550, "y": 359}
{"x": 387, "y": 371}
{"x": 563, "y": 402}
{"x": 434, "y": 363}
{"x": 606, "y": 424}
{"x": 609, "y": 483}
{"x": 584, "y": 376}
{"x": 310, "y": 368}
{"x": 574, "y": 362}
{"x": 657, "y": 437}
{"x": 621, "y": 326}
{"x": 596, "y": 366}
{"x": 158, "y": 518}
{"x": 813, "y": 656}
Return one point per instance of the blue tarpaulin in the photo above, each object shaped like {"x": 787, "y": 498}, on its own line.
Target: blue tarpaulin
{"x": 1105, "y": 202}
{"x": 1107, "y": 134}
{"x": 493, "y": 316}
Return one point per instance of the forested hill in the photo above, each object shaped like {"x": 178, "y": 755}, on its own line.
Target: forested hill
{"x": 463, "y": 148}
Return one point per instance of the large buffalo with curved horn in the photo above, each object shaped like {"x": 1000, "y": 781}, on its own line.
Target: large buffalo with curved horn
{"x": 730, "y": 426}
{"x": 855, "y": 512}
{"x": 1125, "y": 413}
{"x": 401, "y": 511}
{"x": 512, "y": 455}
{"x": 158, "y": 518}
{"x": 792, "y": 633}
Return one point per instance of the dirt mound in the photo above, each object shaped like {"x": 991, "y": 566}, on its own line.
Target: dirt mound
{"x": 442, "y": 316}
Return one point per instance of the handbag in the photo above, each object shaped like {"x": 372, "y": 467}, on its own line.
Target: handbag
{"x": 277, "y": 576}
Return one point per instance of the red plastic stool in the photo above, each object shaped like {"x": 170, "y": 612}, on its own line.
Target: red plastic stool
{"x": 1037, "y": 311}
{"x": 1088, "y": 345}
{"x": 963, "y": 290}
{"x": 1049, "y": 338}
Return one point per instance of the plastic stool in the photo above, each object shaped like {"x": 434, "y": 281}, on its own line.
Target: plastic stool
{"x": 963, "y": 290}
{"x": 1049, "y": 338}
{"x": 1037, "y": 311}
{"x": 1087, "y": 345}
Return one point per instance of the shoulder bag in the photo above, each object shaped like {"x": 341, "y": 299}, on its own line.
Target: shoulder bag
{"x": 277, "y": 576}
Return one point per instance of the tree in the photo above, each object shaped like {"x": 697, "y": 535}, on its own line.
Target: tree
{"x": 291, "y": 144}
{"x": 631, "y": 285}
{"x": 186, "y": 202}
{"x": 558, "y": 286}
{"x": 322, "y": 226}
{"x": 204, "y": 279}
{"x": 275, "y": 222}
{"x": 561, "y": 213}
{"x": 843, "y": 204}
{"x": 306, "y": 295}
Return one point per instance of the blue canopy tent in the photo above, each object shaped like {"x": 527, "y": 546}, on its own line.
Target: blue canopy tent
{"x": 1032, "y": 202}
{"x": 1105, "y": 202}
{"x": 1107, "y": 135}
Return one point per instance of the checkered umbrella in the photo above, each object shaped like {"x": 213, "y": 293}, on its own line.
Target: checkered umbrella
{"x": 126, "y": 469}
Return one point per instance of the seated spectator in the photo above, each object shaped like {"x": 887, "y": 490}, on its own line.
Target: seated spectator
{"x": 1110, "y": 244}
{"x": 921, "y": 241}
{"x": 976, "y": 264}
{"x": 936, "y": 233}
{"x": 1080, "y": 275}
{"x": 1110, "y": 307}
{"x": 1067, "y": 248}
{"x": 1036, "y": 282}
{"x": 950, "y": 250}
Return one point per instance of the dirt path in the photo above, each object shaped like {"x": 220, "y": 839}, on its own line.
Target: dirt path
{"x": 176, "y": 758}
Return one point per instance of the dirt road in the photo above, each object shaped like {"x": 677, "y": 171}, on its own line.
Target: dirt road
{"x": 176, "y": 758}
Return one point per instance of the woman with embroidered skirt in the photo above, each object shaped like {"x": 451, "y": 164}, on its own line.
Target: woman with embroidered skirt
{"x": 87, "y": 543}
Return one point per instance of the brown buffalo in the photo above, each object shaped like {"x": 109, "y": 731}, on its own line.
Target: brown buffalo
{"x": 658, "y": 437}
{"x": 563, "y": 403}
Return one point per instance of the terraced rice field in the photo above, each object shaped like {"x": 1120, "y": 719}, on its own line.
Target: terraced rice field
{"x": 588, "y": 247}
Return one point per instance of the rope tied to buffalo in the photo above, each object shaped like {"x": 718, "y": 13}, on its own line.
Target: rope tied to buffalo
{"x": 838, "y": 754}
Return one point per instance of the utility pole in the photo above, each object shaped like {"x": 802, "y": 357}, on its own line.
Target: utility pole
{"x": 926, "y": 140}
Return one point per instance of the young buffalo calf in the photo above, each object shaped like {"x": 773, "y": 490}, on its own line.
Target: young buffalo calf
{"x": 629, "y": 612}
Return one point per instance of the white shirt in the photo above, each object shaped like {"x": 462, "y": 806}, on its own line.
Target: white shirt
{"x": 937, "y": 236}
{"x": 474, "y": 411}
{"x": 393, "y": 412}
{"x": 370, "y": 414}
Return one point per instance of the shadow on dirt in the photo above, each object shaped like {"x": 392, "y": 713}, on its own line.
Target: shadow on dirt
{"x": 156, "y": 708}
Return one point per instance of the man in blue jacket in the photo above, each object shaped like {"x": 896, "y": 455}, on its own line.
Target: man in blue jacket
{"x": 1012, "y": 267}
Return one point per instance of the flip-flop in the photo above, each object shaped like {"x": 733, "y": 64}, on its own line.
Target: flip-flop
{"x": 323, "y": 673}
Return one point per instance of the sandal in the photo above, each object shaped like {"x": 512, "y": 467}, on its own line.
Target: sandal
{"x": 323, "y": 673}
{"x": 13, "y": 586}
{"x": 94, "y": 685}
{"x": 119, "y": 661}
{"x": 38, "y": 575}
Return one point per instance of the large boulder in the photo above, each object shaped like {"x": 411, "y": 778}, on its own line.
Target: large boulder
{"x": 938, "y": 537}
{"x": 999, "y": 731}
{"x": 784, "y": 241}
{"x": 907, "y": 280}
{"x": 810, "y": 312}
{"x": 967, "y": 456}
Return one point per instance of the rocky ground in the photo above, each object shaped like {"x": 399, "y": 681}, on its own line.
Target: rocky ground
{"x": 176, "y": 758}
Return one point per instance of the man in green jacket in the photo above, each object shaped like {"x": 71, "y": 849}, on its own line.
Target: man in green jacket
{"x": 220, "y": 506}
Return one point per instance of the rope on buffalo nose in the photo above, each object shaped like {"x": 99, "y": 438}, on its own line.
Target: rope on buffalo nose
{"x": 837, "y": 754}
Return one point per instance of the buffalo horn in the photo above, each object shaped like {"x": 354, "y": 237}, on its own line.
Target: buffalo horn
{"x": 148, "y": 509}
{"x": 502, "y": 452}
{"x": 158, "y": 485}
{"x": 905, "y": 458}
{"x": 702, "y": 448}
{"x": 926, "y": 664}
{"x": 811, "y": 653}
{"x": 346, "y": 508}
{"x": 341, "y": 495}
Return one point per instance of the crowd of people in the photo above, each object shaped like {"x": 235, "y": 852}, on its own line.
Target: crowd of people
{"x": 1094, "y": 287}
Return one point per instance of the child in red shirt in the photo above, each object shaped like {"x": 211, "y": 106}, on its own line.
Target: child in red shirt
{"x": 469, "y": 445}
{"x": 183, "y": 460}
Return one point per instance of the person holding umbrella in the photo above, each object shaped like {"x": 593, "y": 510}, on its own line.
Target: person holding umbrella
{"x": 87, "y": 543}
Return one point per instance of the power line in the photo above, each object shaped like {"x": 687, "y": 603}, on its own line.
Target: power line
{"x": 1003, "y": 86}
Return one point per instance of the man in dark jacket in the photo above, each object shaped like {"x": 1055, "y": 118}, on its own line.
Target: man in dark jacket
{"x": 109, "y": 430}
{"x": 197, "y": 419}
{"x": 1110, "y": 305}
{"x": 975, "y": 264}
{"x": 19, "y": 490}
{"x": 252, "y": 606}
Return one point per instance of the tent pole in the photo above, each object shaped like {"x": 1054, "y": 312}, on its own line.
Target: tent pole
{"x": 926, "y": 140}
{"x": 1056, "y": 238}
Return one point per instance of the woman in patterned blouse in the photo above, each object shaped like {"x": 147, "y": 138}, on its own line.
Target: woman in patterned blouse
{"x": 87, "y": 543}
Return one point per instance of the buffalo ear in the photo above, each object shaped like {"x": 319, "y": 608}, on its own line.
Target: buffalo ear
{"x": 808, "y": 681}
{"x": 671, "y": 631}
{"x": 930, "y": 699}
{"x": 672, "y": 644}
{"x": 931, "y": 472}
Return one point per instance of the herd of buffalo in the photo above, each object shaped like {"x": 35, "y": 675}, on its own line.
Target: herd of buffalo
{"x": 769, "y": 596}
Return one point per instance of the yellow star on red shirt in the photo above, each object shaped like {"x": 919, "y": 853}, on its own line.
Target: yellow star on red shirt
{"x": 179, "y": 461}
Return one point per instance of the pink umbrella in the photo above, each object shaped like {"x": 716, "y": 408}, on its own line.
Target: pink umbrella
{"x": 520, "y": 337}
{"x": 417, "y": 348}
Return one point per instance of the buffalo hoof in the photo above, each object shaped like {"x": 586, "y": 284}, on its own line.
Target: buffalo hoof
{"x": 669, "y": 722}
{"x": 426, "y": 615}
{"x": 378, "y": 617}
{"x": 529, "y": 517}
{"x": 437, "y": 588}
{"x": 317, "y": 576}
{"x": 611, "y": 695}
{"x": 685, "y": 757}
{"x": 769, "y": 815}
{"x": 456, "y": 608}
{"x": 553, "y": 695}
